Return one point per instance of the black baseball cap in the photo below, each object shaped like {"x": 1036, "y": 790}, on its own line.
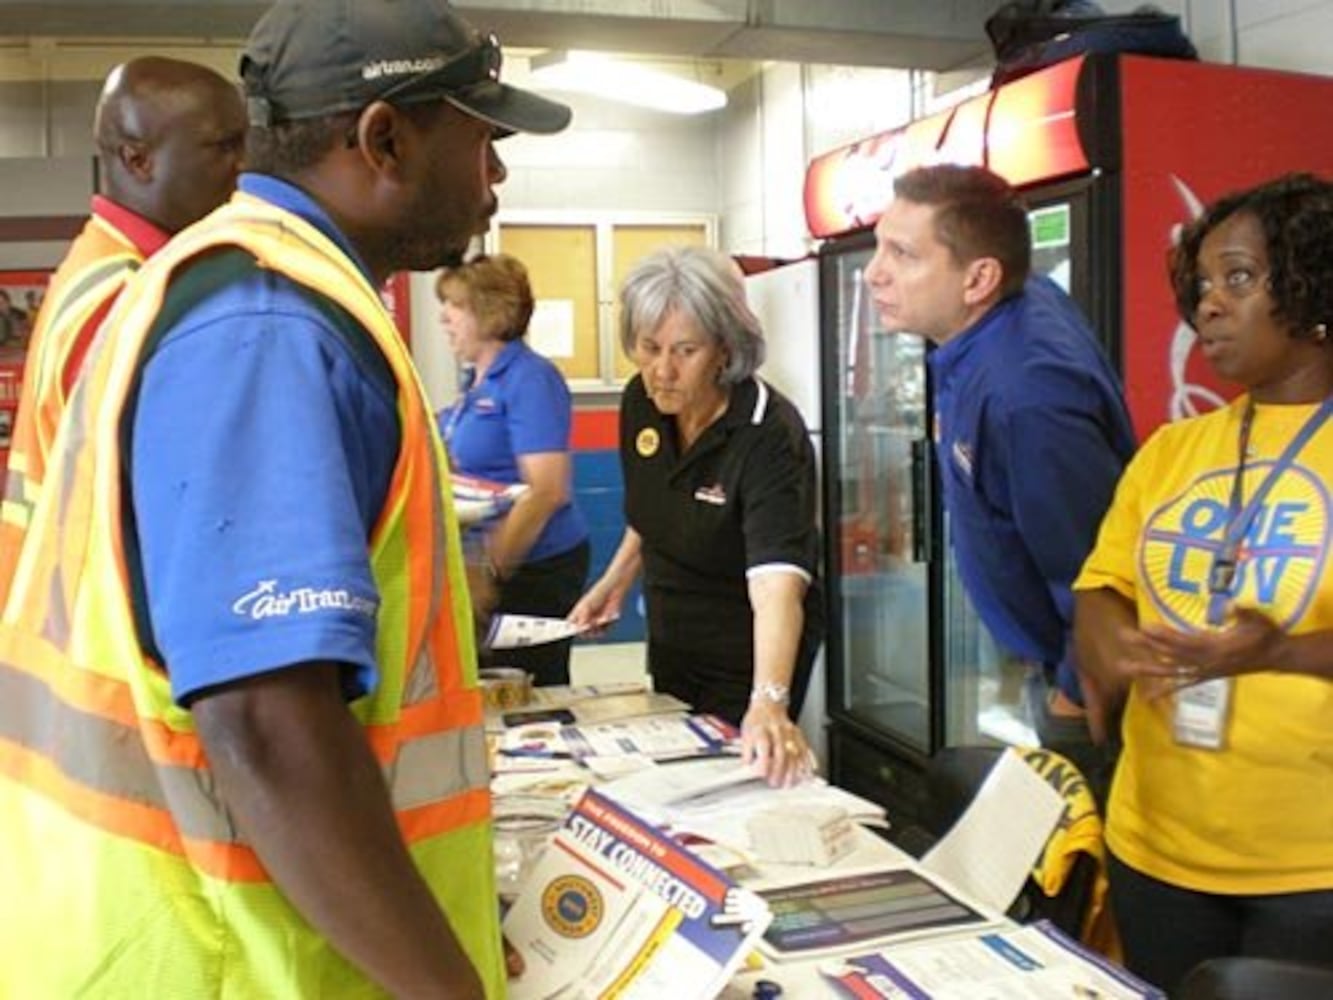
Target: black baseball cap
{"x": 309, "y": 58}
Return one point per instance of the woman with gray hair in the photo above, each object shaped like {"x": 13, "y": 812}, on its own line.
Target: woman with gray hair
{"x": 720, "y": 508}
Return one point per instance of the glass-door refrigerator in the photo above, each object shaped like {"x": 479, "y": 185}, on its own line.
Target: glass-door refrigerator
{"x": 917, "y": 668}
{"x": 1112, "y": 154}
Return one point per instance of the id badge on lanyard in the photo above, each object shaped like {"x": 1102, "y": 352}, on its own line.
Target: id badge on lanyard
{"x": 1202, "y": 711}
{"x": 1201, "y": 714}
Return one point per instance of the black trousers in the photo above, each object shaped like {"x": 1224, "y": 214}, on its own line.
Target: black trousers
{"x": 549, "y": 587}
{"x": 721, "y": 688}
{"x": 1167, "y": 930}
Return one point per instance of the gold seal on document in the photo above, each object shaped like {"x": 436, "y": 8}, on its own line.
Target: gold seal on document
{"x": 572, "y": 906}
{"x": 648, "y": 442}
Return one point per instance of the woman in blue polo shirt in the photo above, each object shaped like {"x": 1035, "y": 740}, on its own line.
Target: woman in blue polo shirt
{"x": 511, "y": 424}
{"x": 720, "y": 508}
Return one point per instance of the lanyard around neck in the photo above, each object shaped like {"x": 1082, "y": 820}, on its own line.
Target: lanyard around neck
{"x": 466, "y": 387}
{"x": 1222, "y": 574}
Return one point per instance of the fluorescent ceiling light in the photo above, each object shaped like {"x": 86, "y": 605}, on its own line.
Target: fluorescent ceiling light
{"x": 630, "y": 83}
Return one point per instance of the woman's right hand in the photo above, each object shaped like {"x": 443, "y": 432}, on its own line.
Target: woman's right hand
{"x": 598, "y": 608}
{"x": 1105, "y": 634}
{"x": 484, "y": 595}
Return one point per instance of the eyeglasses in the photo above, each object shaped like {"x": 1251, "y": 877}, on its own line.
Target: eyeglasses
{"x": 1237, "y": 283}
{"x": 475, "y": 65}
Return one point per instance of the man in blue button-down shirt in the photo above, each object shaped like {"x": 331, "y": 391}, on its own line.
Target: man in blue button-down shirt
{"x": 1031, "y": 429}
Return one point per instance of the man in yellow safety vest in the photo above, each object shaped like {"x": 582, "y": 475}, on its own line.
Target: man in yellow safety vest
{"x": 169, "y": 138}
{"x": 240, "y": 730}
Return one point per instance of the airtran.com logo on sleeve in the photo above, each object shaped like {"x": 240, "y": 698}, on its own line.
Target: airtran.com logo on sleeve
{"x": 1281, "y": 557}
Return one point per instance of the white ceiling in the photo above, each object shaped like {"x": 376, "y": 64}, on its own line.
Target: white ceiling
{"x": 923, "y": 34}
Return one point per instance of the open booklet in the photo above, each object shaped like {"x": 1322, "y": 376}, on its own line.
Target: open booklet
{"x": 989, "y": 852}
{"x": 617, "y": 908}
{"x": 1035, "y": 962}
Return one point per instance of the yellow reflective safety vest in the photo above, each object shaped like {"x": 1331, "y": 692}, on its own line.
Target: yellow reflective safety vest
{"x": 100, "y": 261}
{"x": 121, "y": 872}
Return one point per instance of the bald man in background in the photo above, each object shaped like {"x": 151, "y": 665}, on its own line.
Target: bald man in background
{"x": 170, "y": 137}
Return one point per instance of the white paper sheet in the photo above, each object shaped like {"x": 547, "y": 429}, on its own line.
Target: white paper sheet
{"x": 993, "y": 846}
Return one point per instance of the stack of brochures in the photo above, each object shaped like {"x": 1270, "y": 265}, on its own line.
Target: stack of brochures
{"x": 659, "y": 737}
{"x": 817, "y": 835}
{"x": 656, "y": 737}
{"x": 617, "y": 908}
{"x": 664, "y": 793}
{"x": 717, "y": 799}
{"x": 587, "y": 703}
{"x": 477, "y": 499}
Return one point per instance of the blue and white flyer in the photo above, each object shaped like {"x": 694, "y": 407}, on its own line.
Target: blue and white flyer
{"x": 616, "y": 908}
{"x": 1034, "y": 962}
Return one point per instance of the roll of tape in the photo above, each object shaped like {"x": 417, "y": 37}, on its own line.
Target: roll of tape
{"x": 505, "y": 687}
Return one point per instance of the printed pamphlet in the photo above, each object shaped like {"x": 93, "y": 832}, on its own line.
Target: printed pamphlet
{"x": 1035, "y": 962}
{"x": 616, "y": 908}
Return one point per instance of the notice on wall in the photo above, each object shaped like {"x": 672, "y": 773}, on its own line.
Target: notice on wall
{"x": 551, "y": 331}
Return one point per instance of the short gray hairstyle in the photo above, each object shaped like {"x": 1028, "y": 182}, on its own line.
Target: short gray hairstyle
{"x": 705, "y": 286}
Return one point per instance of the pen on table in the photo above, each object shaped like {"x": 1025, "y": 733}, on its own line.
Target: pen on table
{"x": 533, "y": 752}
{"x": 730, "y": 920}
{"x": 702, "y": 754}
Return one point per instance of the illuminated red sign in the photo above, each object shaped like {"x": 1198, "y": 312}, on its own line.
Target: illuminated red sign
{"x": 1026, "y": 131}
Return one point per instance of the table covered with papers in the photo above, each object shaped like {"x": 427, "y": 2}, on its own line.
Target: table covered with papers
{"x": 653, "y": 887}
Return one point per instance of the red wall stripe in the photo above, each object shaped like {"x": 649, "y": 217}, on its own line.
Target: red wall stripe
{"x": 595, "y": 430}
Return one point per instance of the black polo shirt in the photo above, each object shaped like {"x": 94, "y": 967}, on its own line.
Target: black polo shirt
{"x": 741, "y": 500}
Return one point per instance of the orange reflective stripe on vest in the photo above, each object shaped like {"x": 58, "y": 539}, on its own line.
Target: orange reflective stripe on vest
{"x": 67, "y": 755}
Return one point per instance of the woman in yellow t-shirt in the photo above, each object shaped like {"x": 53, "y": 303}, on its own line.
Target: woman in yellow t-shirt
{"x": 1205, "y": 612}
